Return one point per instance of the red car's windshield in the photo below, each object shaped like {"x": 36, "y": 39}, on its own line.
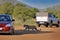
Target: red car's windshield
{"x": 4, "y": 18}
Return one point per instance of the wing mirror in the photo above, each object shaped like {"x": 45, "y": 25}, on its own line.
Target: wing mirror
{"x": 13, "y": 19}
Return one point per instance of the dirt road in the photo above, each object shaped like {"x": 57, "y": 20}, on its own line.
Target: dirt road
{"x": 44, "y": 34}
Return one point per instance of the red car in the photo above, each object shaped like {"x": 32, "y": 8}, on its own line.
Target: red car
{"x": 6, "y": 24}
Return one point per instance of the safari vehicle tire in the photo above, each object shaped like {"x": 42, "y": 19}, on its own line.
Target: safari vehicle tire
{"x": 57, "y": 25}
{"x": 39, "y": 25}
{"x": 46, "y": 25}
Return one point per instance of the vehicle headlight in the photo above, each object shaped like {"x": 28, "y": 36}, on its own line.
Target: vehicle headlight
{"x": 8, "y": 25}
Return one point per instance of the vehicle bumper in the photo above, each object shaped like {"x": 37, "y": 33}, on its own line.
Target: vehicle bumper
{"x": 5, "y": 32}
{"x": 42, "y": 22}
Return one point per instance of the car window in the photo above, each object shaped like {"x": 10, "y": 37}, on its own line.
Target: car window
{"x": 4, "y": 18}
{"x": 51, "y": 15}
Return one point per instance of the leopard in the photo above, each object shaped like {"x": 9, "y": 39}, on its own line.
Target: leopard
{"x": 30, "y": 27}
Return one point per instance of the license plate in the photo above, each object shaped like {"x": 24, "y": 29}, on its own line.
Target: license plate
{"x": 0, "y": 28}
{"x": 41, "y": 22}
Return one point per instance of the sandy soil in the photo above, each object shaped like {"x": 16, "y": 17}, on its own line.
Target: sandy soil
{"x": 44, "y": 34}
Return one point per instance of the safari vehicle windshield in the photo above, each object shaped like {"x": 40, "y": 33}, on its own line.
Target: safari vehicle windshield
{"x": 5, "y": 18}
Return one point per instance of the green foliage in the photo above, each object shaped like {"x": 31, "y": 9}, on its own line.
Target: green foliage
{"x": 20, "y": 12}
{"x": 6, "y": 8}
{"x": 56, "y": 12}
{"x": 30, "y": 22}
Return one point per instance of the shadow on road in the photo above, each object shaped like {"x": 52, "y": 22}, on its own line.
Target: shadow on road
{"x": 18, "y": 32}
{"x": 22, "y": 32}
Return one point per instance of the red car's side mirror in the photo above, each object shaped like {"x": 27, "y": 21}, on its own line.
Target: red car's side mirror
{"x": 13, "y": 19}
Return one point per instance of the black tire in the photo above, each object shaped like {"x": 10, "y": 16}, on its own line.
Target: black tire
{"x": 57, "y": 25}
{"x": 46, "y": 24}
{"x": 39, "y": 25}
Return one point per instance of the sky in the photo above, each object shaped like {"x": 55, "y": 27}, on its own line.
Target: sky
{"x": 41, "y": 4}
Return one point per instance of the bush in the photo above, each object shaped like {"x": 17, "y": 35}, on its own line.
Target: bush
{"x": 30, "y": 22}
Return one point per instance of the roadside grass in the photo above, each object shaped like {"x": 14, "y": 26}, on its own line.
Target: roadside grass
{"x": 27, "y": 22}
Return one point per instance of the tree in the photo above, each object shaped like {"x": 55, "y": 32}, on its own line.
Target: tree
{"x": 6, "y": 8}
{"x": 19, "y": 11}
